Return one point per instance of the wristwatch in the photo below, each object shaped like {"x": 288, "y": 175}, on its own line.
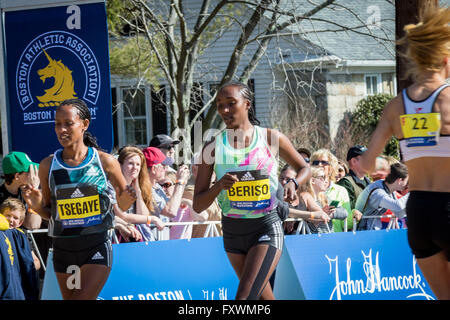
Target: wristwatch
{"x": 295, "y": 182}
{"x": 180, "y": 182}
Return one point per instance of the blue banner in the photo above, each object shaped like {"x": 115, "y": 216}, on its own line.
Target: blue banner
{"x": 163, "y": 270}
{"x": 54, "y": 54}
{"x": 366, "y": 265}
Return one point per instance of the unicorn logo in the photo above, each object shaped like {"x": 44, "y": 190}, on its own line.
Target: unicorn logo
{"x": 63, "y": 83}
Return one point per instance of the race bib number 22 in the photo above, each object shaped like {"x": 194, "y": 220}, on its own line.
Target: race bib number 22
{"x": 421, "y": 129}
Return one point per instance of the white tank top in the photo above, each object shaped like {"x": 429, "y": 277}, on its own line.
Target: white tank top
{"x": 421, "y": 129}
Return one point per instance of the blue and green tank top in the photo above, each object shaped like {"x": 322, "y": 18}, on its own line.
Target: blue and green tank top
{"x": 81, "y": 197}
{"x": 254, "y": 195}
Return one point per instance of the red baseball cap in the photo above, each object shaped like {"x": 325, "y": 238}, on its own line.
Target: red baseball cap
{"x": 154, "y": 156}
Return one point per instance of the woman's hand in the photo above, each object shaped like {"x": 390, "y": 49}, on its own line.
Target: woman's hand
{"x": 136, "y": 187}
{"x": 158, "y": 223}
{"x": 357, "y": 214}
{"x": 183, "y": 173}
{"x": 290, "y": 194}
{"x": 329, "y": 210}
{"x": 127, "y": 197}
{"x": 319, "y": 216}
{"x": 129, "y": 231}
{"x": 227, "y": 181}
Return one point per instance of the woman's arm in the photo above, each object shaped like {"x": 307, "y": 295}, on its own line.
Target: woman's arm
{"x": 380, "y": 137}
{"x": 141, "y": 207}
{"x": 204, "y": 193}
{"x": 292, "y": 157}
{"x": 129, "y": 217}
{"x": 201, "y": 217}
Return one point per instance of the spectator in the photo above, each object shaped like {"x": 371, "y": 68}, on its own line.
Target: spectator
{"x": 214, "y": 212}
{"x": 305, "y": 153}
{"x": 167, "y": 146}
{"x": 131, "y": 160}
{"x": 342, "y": 170}
{"x": 328, "y": 161}
{"x": 316, "y": 200}
{"x": 165, "y": 208}
{"x": 355, "y": 181}
{"x": 286, "y": 173}
{"x": 19, "y": 170}
{"x": 168, "y": 183}
{"x": 14, "y": 211}
{"x": 379, "y": 196}
{"x": 185, "y": 212}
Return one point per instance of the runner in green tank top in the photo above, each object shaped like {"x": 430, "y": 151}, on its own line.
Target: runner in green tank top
{"x": 244, "y": 158}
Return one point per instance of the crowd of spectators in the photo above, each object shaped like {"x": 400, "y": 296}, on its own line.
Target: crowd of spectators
{"x": 340, "y": 193}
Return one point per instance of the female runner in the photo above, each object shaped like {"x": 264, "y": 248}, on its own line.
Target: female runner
{"x": 76, "y": 196}
{"x": 244, "y": 159}
{"x": 420, "y": 118}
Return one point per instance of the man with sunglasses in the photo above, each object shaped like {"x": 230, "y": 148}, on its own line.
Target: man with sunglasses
{"x": 355, "y": 181}
{"x": 165, "y": 207}
{"x": 167, "y": 146}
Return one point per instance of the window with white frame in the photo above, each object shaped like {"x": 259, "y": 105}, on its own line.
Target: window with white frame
{"x": 373, "y": 84}
{"x": 134, "y": 130}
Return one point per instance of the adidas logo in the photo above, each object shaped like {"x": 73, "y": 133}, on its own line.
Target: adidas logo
{"x": 264, "y": 238}
{"x": 248, "y": 176}
{"x": 97, "y": 256}
{"x": 77, "y": 194}
{"x": 91, "y": 172}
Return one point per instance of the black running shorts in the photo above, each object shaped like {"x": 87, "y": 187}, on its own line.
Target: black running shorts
{"x": 239, "y": 235}
{"x": 81, "y": 250}
{"x": 428, "y": 221}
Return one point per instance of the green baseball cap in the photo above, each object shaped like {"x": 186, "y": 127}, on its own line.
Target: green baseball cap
{"x": 16, "y": 162}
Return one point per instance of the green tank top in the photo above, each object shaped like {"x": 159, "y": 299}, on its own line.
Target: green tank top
{"x": 254, "y": 195}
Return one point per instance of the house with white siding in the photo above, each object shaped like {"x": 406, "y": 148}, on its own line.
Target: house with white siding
{"x": 313, "y": 62}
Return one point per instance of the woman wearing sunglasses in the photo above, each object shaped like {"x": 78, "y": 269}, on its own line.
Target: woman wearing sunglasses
{"x": 325, "y": 159}
{"x": 185, "y": 212}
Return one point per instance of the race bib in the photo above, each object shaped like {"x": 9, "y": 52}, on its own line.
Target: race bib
{"x": 421, "y": 129}
{"x": 252, "y": 192}
{"x": 78, "y": 207}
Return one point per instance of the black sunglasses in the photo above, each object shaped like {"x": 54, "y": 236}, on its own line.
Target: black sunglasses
{"x": 319, "y": 162}
{"x": 166, "y": 185}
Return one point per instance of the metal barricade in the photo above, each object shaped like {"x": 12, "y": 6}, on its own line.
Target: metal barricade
{"x": 34, "y": 245}
{"x": 211, "y": 230}
{"x": 393, "y": 222}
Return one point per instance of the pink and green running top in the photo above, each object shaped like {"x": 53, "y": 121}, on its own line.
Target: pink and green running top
{"x": 257, "y": 169}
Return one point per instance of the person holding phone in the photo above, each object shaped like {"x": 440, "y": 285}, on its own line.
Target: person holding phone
{"x": 313, "y": 193}
{"x": 328, "y": 161}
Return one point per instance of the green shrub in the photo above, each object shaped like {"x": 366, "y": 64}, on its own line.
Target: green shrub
{"x": 365, "y": 119}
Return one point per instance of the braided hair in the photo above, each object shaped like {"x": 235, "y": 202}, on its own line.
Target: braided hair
{"x": 247, "y": 94}
{"x": 84, "y": 113}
